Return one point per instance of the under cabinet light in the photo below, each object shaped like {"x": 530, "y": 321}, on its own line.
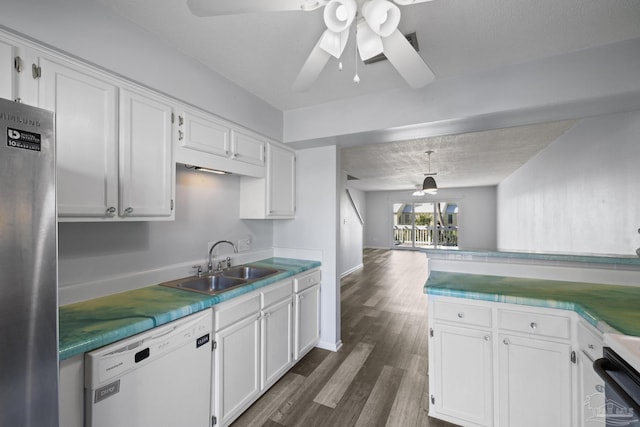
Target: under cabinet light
{"x": 201, "y": 169}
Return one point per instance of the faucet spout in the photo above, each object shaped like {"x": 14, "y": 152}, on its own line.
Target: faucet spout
{"x": 210, "y": 265}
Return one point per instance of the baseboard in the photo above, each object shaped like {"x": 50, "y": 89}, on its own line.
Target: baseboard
{"x": 330, "y": 345}
{"x": 348, "y": 272}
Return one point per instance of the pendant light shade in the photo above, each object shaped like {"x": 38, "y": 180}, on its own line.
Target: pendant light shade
{"x": 429, "y": 185}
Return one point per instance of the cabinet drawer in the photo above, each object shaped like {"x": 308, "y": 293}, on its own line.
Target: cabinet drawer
{"x": 305, "y": 281}
{"x": 462, "y": 313}
{"x": 534, "y": 323}
{"x": 589, "y": 342}
{"x": 230, "y": 312}
{"x": 276, "y": 292}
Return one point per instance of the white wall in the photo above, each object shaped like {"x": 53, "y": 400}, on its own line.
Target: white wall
{"x": 580, "y": 194}
{"x": 476, "y": 217}
{"x": 88, "y": 30}
{"x": 101, "y": 258}
{"x": 315, "y": 229}
{"x": 351, "y": 230}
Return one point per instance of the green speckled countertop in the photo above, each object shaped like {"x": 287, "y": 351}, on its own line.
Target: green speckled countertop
{"x": 87, "y": 325}
{"x": 617, "y": 306}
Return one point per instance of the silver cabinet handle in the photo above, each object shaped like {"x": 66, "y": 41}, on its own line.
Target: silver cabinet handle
{"x": 600, "y": 388}
{"x": 180, "y": 135}
{"x": 128, "y": 210}
{"x": 487, "y": 337}
{"x": 111, "y": 210}
{"x": 506, "y": 341}
{"x": 533, "y": 325}
{"x": 461, "y": 315}
{"x": 180, "y": 120}
{"x": 591, "y": 346}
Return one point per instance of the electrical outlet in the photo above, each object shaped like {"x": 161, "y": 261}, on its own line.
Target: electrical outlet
{"x": 244, "y": 244}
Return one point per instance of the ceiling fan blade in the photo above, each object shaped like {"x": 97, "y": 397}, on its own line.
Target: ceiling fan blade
{"x": 407, "y": 2}
{"x": 312, "y": 67}
{"x": 203, "y": 8}
{"x": 406, "y": 60}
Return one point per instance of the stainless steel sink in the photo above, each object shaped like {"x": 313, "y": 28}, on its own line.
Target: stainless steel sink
{"x": 222, "y": 281}
{"x": 208, "y": 284}
{"x": 248, "y": 272}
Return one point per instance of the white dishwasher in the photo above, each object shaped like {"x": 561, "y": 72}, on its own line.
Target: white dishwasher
{"x": 159, "y": 378}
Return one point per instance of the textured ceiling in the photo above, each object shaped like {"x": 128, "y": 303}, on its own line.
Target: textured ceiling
{"x": 264, "y": 52}
{"x": 465, "y": 160}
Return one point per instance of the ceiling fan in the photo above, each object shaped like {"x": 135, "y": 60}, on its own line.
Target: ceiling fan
{"x": 376, "y": 32}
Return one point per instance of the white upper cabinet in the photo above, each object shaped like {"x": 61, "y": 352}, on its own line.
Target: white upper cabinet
{"x": 146, "y": 156}
{"x": 272, "y": 196}
{"x": 198, "y": 132}
{"x": 114, "y": 159}
{"x": 86, "y": 129}
{"x": 6, "y": 71}
{"x": 247, "y": 148}
{"x": 208, "y": 141}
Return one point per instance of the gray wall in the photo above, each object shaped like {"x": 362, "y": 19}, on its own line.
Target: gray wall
{"x": 476, "y": 219}
{"x": 579, "y": 195}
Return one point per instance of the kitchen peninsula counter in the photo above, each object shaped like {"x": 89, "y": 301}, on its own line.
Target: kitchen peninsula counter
{"x": 602, "y": 305}
{"x": 87, "y": 325}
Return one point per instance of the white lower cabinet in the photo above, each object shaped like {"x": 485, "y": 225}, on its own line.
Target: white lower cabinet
{"x": 463, "y": 388}
{"x": 591, "y": 397}
{"x": 534, "y": 382}
{"x": 500, "y": 364}
{"x": 253, "y": 347}
{"x": 277, "y": 354}
{"x": 306, "y": 312}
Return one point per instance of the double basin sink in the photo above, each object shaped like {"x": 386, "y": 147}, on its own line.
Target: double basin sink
{"x": 220, "y": 281}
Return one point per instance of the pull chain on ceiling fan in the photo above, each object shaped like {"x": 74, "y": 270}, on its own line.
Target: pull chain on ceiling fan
{"x": 376, "y": 32}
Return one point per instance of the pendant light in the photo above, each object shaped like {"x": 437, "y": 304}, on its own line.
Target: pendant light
{"x": 429, "y": 185}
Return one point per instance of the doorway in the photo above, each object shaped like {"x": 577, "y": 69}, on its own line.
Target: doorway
{"x": 425, "y": 225}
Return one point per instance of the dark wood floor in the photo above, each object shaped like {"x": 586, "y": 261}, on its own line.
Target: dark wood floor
{"x": 379, "y": 376}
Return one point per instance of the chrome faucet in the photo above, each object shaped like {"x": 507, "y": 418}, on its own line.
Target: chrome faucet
{"x": 210, "y": 265}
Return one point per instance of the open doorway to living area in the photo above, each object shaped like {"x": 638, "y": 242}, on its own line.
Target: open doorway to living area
{"x": 425, "y": 225}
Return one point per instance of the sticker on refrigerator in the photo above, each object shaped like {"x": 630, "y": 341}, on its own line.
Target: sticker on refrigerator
{"x": 23, "y": 139}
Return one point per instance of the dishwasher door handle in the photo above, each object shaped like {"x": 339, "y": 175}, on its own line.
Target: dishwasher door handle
{"x": 601, "y": 366}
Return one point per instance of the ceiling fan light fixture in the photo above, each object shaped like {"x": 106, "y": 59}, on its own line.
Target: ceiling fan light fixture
{"x": 369, "y": 43}
{"x": 339, "y": 14}
{"x": 382, "y": 16}
{"x": 334, "y": 43}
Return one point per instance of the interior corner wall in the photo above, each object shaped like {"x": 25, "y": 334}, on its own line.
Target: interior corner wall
{"x": 316, "y": 229}
{"x": 351, "y": 229}
{"x": 579, "y": 195}
{"x": 476, "y": 218}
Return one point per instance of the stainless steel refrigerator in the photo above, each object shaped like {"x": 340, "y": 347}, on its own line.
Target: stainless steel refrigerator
{"x": 28, "y": 268}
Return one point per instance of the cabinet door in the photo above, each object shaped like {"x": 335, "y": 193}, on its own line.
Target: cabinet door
{"x": 6, "y": 71}
{"x": 146, "y": 156}
{"x": 277, "y": 337}
{"x": 199, "y": 132}
{"x": 462, "y": 379}
{"x": 281, "y": 178}
{"x": 307, "y": 320}
{"x": 534, "y": 382}
{"x": 236, "y": 364}
{"x": 86, "y": 129}
{"x": 247, "y": 148}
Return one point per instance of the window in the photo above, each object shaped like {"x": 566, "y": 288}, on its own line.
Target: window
{"x": 425, "y": 225}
